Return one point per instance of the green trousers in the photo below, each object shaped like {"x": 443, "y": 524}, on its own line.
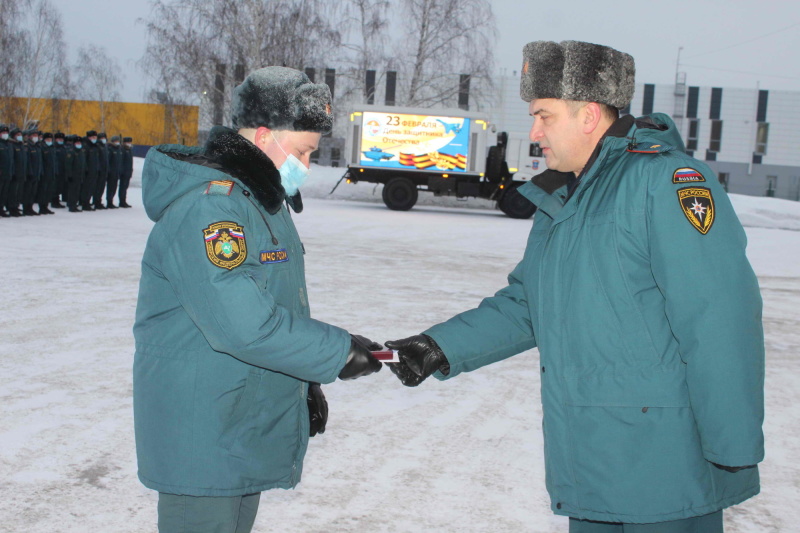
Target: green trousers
{"x": 710, "y": 523}
{"x": 200, "y": 514}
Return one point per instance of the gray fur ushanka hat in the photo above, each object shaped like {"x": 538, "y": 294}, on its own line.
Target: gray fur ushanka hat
{"x": 281, "y": 98}
{"x": 575, "y": 70}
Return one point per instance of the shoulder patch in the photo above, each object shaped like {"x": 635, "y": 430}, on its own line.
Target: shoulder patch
{"x": 221, "y": 187}
{"x": 225, "y": 244}
{"x": 698, "y": 207}
{"x": 648, "y": 148}
{"x": 687, "y": 175}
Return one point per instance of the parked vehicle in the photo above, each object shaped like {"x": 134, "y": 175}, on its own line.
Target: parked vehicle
{"x": 449, "y": 152}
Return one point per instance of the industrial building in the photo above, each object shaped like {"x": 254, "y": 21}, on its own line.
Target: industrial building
{"x": 749, "y": 137}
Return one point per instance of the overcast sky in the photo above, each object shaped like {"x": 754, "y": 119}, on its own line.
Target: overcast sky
{"x": 745, "y": 43}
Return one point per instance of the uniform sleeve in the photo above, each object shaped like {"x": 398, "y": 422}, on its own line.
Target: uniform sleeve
{"x": 233, "y": 308}
{"x": 713, "y": 305}
{"x": 497, "y": 329}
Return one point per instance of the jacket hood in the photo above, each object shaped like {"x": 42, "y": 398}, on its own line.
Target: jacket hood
{"x": 657, "y": 128}
{"x": 172, "y": 170}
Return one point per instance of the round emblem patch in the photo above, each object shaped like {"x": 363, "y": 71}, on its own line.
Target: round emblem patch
{"x": 225, "y": 244}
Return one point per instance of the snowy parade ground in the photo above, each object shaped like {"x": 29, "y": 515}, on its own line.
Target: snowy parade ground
{"x": 461, "y": 456}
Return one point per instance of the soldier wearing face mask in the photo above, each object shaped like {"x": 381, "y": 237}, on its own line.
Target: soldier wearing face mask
{"x": 34, "y": 174}
{"x": 59, "y": 186}
{"x": 127, "y": 170}
{"x": 223, "y": 312}
{"x": 114, "y": 170}
{"x": 102, "y": 173}
{"x": 48, "y": 176}
{"x": 20, "y": 172}
{"x": 6, "y": 168}
{"x": 89, "y": 181}
{"x": 75, "y": 173}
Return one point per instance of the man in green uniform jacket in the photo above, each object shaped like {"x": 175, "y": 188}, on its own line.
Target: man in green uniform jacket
{"x": 228, "y": 359}
{"x": 636, "y": 289}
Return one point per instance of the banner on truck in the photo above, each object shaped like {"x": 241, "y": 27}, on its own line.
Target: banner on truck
{"x": 425, "y": 142}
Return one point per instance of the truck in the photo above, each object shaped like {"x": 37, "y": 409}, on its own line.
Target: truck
{"x": 449, "y": 152}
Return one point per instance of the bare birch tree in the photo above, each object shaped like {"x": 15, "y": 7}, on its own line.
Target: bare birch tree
{"x": 199, "y": 49}
{"x": 446, "y": 38}
{"x": 12, "y": 51}
{"x": 45, "y": 61}
{"x": 32, "y": 58}
{"x": 366, "y": 24}
{"x": 99, "y": 79}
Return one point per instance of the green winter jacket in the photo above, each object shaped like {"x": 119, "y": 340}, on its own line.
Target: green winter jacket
{"x": 647, "y": 316}
{"x": 225, "y": 344}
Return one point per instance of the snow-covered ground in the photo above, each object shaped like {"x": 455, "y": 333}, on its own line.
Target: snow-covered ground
{"x": 461, "y": 456}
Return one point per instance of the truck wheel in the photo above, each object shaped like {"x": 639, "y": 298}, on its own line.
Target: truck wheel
{"x": 513, "y": 204}
{"x": 400, "y": 194}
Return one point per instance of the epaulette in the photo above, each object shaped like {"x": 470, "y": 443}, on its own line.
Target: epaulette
{"x": 220, "y": 187}
{"x": 649, "y": 148}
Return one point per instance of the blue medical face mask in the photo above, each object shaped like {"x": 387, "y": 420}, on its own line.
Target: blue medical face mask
{"x": 293, "y": 172}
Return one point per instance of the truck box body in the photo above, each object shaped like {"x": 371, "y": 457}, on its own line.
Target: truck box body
{"x": 443, "y": 151}
{"x": 417, "y": 140}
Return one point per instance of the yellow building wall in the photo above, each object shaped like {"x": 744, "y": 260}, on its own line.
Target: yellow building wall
{"x": 148, "y": 124}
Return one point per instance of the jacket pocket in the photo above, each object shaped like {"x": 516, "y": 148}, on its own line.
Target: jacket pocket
{"x": 646, "y": 387}
{"x": 634, "y": 445}
{"x": 238, "y": 417}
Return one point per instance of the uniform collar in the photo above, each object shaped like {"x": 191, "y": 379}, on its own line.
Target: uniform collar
{"x": 244, "y": 161}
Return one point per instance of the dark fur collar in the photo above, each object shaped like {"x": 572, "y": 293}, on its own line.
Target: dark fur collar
{"x": 243, "y": 160}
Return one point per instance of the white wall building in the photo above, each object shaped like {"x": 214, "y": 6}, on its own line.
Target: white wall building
{"x": 750, "y": 137}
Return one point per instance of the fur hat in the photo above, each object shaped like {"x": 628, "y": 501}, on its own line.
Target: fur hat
{"x": 575, "y": 70}
{"x": 281, "y": 98}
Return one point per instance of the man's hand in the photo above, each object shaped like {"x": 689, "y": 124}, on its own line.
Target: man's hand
{"x": 360, "y": 361}
{"x": 420, "y": 357}
{"x": 317, "y": 409}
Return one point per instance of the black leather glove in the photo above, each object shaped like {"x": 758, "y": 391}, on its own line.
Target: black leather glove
{"x": 420, "y": 357}
{"x": 317, "y": 409}
{"x": 360, "y": 361}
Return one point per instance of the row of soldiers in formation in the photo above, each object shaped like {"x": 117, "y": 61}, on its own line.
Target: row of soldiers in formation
{"x": 46, "y": 169}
